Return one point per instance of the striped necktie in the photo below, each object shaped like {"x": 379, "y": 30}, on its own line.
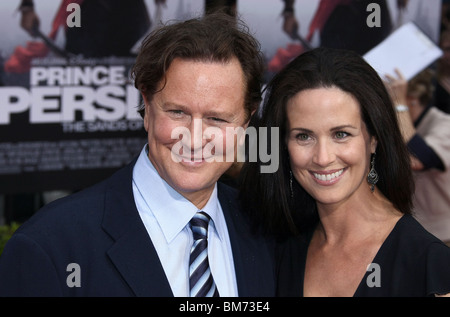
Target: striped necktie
{"x": 201, "y": 283}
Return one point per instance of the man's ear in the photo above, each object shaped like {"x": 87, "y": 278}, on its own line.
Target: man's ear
{"x": 146, "y": 105}
{"x": 245, "y": 126}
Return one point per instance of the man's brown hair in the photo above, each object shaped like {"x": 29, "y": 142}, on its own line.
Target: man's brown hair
{"x": 214, "y": 37}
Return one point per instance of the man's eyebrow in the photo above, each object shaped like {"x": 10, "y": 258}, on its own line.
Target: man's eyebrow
{"x": 220, "y": 114}
{"x": 210, "y": 113}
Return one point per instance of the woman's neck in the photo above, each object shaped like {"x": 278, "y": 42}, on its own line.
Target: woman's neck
{"x": 356, "y": 219}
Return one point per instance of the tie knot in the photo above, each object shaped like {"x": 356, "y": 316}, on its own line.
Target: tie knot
{"x": 199, "y": 225}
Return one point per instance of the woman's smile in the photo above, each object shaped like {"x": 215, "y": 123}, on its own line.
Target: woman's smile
{"x": 327, "y": 177}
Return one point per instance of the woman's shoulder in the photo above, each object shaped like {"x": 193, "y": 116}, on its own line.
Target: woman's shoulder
{"x": 413, "y": 233}
{"x": 412, "y": 262}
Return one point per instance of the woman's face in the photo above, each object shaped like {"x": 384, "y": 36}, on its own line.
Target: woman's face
{"x": 329, "y": 145}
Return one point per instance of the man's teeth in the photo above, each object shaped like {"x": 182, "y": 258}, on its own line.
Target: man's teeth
{"x": 328, "y": 177}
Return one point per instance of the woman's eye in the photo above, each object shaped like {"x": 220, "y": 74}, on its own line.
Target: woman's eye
{"x": 302, "y": 137}
{"x": 341, "y": 134}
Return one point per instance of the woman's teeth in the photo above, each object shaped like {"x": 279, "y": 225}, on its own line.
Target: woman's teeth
{"x": 328, "y": 177}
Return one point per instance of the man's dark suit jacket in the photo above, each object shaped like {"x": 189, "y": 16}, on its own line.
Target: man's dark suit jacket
{"x": 100, "y": 230}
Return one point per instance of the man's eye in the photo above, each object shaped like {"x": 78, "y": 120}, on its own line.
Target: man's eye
{"x": 177, "y": 112}
{"x": 218, "y": 119}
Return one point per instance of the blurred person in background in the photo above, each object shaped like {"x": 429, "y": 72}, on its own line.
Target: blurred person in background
{"x": 342, "y": 24}
{"x": 426, "y": 130}
{"x": 442, "y": 93}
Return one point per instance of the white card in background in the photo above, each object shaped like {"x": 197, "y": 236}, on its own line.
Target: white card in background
{"x": 407, "y": 49}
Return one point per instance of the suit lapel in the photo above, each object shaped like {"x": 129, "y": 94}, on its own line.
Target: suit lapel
{"x": 133, "y": 253}
{"x": 249, "y": 253}
{"x": 135, "y": 257}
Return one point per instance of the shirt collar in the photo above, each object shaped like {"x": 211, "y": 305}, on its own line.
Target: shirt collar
{"x": 422, "y": 115}
{"x": 171, "y": 210}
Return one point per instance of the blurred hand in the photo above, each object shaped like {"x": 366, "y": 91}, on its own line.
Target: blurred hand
{"x": 290, "y": 25}
{"x": 397, "y": 87}
{"x": 416, "y": 165}
{"x": 30, "y": 22}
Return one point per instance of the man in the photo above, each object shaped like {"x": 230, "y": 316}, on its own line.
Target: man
{"x": 131, "y": 235}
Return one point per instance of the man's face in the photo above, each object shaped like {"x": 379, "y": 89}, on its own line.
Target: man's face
{"x": 200, "y": 98}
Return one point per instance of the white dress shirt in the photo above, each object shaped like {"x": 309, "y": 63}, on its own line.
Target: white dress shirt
{"x": 166, "y": 215}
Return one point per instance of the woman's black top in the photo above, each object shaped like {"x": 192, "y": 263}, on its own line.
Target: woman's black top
{"x": 410, "y": 262}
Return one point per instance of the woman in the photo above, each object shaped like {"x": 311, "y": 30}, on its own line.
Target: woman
{"x": 344, "y": 183}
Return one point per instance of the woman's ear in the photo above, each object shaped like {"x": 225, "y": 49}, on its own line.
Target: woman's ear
{"x": 245, "y": 126}
{"x": 373, "y": 144}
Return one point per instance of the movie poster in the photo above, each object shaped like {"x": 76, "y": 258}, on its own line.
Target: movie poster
{"x": 334, "y": 23}
{"x": 68, "y": 114}
{"x": 68, "y": 108}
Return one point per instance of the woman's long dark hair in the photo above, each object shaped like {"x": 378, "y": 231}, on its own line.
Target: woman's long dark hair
{"x": 267, "y": 197}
